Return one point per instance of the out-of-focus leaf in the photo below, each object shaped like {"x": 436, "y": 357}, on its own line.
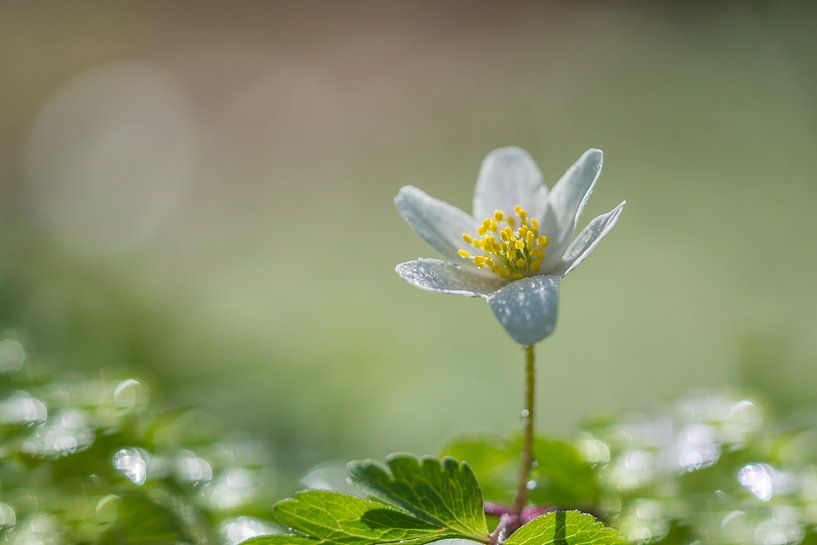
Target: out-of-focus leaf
{"x": 493, "y": 463}
{"x": 280, "y": 540}
{"x": 561, "y": 475}
{"x": 141, "y": 520}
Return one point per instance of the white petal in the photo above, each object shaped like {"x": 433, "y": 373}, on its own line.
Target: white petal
{"x": 508, "y": 176}
{"x": 438, "y": 223}
{"x": 589, "y": 238}
{"x": 566, "y": 201}
{"x": 445, "y": 277}
{"x": 527, "y": 308}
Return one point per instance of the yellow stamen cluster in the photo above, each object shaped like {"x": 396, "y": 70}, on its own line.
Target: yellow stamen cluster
{"x": 508, "y": 253}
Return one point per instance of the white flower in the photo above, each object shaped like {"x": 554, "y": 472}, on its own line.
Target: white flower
{"x": 516, "y": 256}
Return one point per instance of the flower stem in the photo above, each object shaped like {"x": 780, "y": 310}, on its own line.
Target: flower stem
{"x": 527, "y": 422}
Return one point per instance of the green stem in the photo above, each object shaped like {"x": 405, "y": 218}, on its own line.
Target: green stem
{"x": 527, "y": 422}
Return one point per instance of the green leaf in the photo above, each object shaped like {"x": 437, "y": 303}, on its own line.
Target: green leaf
{"x": 279, "y": 540}
{"x": 141, "y": 520}
{"x": 493, "y": 461}
{"x": 342, "y": 519}
{"x": 444, "y": 492}
{"x": 562, "y": 476}
{"x": 564, "y": 528}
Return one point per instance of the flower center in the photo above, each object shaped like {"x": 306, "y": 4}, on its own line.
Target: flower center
{"x": 509, "y": 251}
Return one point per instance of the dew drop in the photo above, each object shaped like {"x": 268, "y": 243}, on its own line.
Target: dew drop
{"x": 67, "y": 433}
{"x": 106, "y": 509}
{"x": 131, "y": 395}
{"x": 7, "y": 515}
{"x": 133, "y": 463}
{"x": 240, "y": 529}
{"x": 21, "y": 408}
{"x": 190, "y": 468}
{"x": 758, "y": 479}
{"x": 12, "y": 355}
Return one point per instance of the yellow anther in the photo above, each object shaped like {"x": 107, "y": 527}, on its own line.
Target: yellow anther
{"x": 508, "y": 252}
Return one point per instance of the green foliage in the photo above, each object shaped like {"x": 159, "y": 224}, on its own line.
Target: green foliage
{"x": 440, "y": 492}
{"x": 138, "y": 519}
{"x": 561, "y": 476}
{"x": 420, "y": 500}
{"x": 348, "y": 520}
{"x": 564, "y": 528}
{"x": 90, "y": 460}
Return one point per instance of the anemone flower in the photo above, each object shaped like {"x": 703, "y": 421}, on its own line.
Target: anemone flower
{"x": 518, "y": 244}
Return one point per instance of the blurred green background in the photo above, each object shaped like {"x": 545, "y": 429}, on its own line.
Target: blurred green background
{"x": 202, "y": 193}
